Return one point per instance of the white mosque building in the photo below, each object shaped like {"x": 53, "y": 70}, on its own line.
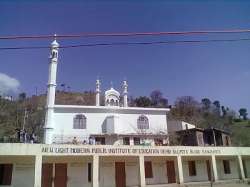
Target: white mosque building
{"x": 114, "y": 146}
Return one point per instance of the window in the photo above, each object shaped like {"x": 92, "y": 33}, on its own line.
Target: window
{"x": 89, "y": 172}
{"x": 142, "y": 122}
{"x": 226, "y": 165}
{"x": 126, "y": 141}
{"x": 100, "y": 141}
{"x": 148, "y": 169}
{"x": 158, "y": 141}
{"x": 191, "y": 168}
{"x": 137, "y": 141}
{"x": 227, "y": 140}
{"x": 80, "y": 122}
{"x": 5, "y": 174}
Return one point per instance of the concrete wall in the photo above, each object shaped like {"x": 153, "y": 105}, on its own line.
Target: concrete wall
{"x": 201, "y": 171}
{"x": 247, "y": 167}
{"x": 174, "y": 125}
{"x": 159, "y": 173}
{"x": 107, "y": 174}
{"x": 23, "y": 175}
{"x": 78, "y": 175}
{"x": 124, "y": 123}
{"x": 233, "y": 166}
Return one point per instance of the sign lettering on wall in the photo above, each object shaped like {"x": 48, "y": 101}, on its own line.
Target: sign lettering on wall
{"x": 130, "y": 151}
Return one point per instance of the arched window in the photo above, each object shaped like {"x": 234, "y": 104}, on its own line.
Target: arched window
{"x": 80, "y": 121}
{"x": 112, "y": 102}
{"x": 142, "y": 122}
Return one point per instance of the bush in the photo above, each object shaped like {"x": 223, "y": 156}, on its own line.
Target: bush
{"x": 237, "y": 120}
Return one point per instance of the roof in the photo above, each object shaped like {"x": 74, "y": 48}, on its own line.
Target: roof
{"x": 111, "y": 108}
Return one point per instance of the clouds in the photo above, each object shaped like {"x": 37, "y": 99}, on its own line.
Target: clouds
{"x": 8, "y": 85}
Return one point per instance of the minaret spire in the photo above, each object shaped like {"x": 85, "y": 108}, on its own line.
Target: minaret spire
{"x": 98, "y": 91}
{"x": 125, "y": 93}
{"x": 51, "y": 92}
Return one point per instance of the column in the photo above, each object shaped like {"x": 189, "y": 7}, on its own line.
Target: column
{"x": 95, "y": 179}
{"x": 38, "y": 171}
{"x": 180, "y": 169}
{"x": 214, "y": 166}
{"x": 242, "y": 173}
{"x": 142, "y": 171}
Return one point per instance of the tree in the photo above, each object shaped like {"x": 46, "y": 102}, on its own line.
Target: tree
{"x": 217, "y": 107}
{"x": 206, "y": 104}
{"x": 142, "y": 101}
{"x": 224, "y": 111}
{"x": 22, "y": 96}
{"x": 157, "y": 99}
{"x": 243, "y": 113}
{"x": 186, "y": 108}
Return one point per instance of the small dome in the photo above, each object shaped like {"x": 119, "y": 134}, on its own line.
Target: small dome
{"x": 112, "y": 97}
{"x": 112, "y": 91}
{"x": 55, "y": 44}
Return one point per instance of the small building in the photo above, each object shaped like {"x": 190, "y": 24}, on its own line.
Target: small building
{"x": 203, "y": 137}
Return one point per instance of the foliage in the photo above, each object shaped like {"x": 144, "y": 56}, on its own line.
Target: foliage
{"x": 205, "y": 113}
{"x": 143, "y": 101}
{"x": 243, "y": 113}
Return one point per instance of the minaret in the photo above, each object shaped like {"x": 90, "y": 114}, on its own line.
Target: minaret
{"x": 48, "y": 127}
{"x": 97, "y": 91}
{"x": 125, "y": 93}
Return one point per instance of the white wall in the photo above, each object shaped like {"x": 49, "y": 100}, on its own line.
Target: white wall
{"x": 159, "y": 173}
{"x": 23, "y": 175}
{"x": 233, "y": 166}
{"x": 201, "y": 171}
{"x": 124, "y": 123}
{"x": 107, "y": 174}
{"x": 78, "y": 175}
{"x": 175, "y": 125}
{"x": 247, "y": 166}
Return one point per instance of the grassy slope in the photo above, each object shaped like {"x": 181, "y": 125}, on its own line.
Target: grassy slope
{"x": 241, "y": 133}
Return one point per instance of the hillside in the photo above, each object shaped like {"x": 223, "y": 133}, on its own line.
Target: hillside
{"x": 241, "y": 133}
{"x": 12, "y": 114}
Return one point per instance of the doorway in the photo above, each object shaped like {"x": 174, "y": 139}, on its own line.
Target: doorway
{"x": 120, "y": 174}
{"x": 208, "y": 170}
{"x": 171, "y": 172}
{"x": 47, "y": 174}
{"x": 60, "y": 175}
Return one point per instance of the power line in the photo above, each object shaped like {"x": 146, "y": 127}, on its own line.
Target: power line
{"x": 124, "y": 34}
{"x": 127, "y": 43}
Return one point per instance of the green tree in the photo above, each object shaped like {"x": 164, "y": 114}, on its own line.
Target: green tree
{"x": 243, "y": 113}
{"x": 206, "y": 104}
{"x": 142, "y": 101}
{"x": 157, "y": 99}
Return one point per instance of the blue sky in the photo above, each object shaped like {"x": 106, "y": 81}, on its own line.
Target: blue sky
{"x": 219, "y": 71}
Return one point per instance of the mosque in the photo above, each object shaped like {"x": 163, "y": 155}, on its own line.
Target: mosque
{"x": 115, "y": 146}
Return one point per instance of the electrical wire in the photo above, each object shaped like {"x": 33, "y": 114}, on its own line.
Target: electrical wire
{"x": 127, "y": 43}
{"x": 124, "y": 34}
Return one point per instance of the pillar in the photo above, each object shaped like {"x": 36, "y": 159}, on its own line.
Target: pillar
{"x": 125, "y": 93}
{"x": 38, "y": 171}
{"x": 241, "y": 169}
{"x": 214, "y": 166}
{"x": 142, "y": 171}
{"x": 180, "y": 169}
{"x": 51, "y": 92}
{"x": 97, "y": 97}
{"x": 95, "y": 174}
